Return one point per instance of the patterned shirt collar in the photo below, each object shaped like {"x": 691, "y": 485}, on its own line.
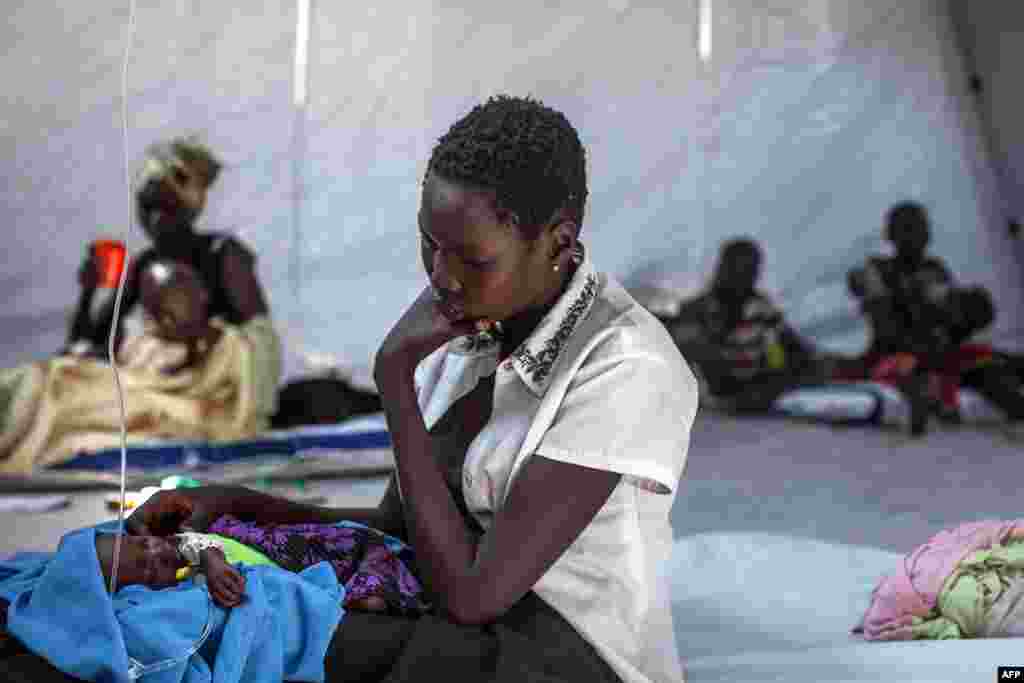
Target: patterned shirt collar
{"x": 536, "y": 357}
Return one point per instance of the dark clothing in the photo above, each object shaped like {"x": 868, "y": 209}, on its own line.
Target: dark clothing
{"x": 1001, "y": 383}
{"x": 321, "y": 401}
{"x": 530, "y": 642}
{"x": 909, "y": 307}
{"x": 744, "y": 351}
{"x": 918, "y": 310}
{"x": 205, "y": 253}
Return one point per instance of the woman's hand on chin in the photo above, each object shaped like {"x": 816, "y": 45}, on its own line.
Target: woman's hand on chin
{"x": 421, "y": 330}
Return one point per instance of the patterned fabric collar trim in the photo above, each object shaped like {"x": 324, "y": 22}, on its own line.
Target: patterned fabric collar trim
{"x": 536, "y": 357}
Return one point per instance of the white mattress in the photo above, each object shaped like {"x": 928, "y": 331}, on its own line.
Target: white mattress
{"x": 764, "y": 607}
{"x": 783, "y": 529}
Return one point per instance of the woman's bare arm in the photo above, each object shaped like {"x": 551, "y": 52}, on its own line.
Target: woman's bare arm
{"x": 549, "y": 505}
{"x": 208, "y": 503}
{"x": 254, "y": 506}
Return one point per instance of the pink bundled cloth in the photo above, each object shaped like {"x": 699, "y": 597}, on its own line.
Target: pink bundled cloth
{"x": 913, "y": 591}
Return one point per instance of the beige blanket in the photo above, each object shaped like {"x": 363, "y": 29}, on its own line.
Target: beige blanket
{"x": 51, "y": 410}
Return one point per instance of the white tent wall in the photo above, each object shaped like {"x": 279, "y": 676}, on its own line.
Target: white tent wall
{"x": 808, "y": 121}
{"x": 990, "y": 33}
{"x": 213, "y": 69}
{"x": 815, "y": 133}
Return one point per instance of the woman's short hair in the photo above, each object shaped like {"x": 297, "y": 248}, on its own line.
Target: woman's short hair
{"x": 528, "y": 154}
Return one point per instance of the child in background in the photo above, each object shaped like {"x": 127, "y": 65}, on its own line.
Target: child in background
{"x": 178, "y": 329}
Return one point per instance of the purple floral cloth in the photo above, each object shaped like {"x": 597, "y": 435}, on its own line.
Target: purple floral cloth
{"x": 369, "y": 563}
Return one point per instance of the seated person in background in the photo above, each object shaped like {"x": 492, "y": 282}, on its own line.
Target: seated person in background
{"x": 737, "y": 338}
{"x": 171, "y": 194}
{"x": 322, "y": 401}
{"x": 187, "y": 376}
{"x": 376, "y": 570}
{"x": 919, "y": 324}
{"x": 966, "y": 582}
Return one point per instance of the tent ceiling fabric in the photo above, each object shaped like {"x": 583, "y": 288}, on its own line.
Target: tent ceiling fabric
{"x": 808, "y": 121}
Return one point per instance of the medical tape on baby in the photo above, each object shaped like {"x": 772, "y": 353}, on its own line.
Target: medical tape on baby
{"x": 161, "y": 272}
{"x": 192, "y": 544}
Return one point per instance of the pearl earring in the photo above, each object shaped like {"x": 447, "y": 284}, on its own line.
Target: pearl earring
{"x": 555, "y": 268}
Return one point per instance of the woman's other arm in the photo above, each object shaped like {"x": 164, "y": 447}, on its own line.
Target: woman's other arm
{"x": 167, "y": 511}
{"x": 241, "y": 283}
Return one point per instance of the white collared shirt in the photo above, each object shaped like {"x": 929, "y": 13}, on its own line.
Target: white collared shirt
{"x": 601, "y": 384}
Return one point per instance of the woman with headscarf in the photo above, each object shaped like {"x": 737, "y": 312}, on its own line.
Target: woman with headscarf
{"x": 203, "y": 361}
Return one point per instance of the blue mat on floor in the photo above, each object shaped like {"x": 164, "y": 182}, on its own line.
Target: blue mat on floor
{"x": 359, "y": 434}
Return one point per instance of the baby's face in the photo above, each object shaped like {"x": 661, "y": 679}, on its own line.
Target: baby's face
{"x": 177, "y": 300}
{"x": 145, "y": 560}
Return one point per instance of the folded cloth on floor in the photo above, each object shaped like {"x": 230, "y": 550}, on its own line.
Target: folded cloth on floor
{"x": 61, "y": 609}
{"x": 925, "y": 597}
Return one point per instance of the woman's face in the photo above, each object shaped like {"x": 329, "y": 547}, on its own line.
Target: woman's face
{"x": 481, "y": 267}
{"x": 170, "y": 204}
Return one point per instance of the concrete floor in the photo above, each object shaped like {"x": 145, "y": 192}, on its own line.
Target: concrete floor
{"x": 852, "y": 486}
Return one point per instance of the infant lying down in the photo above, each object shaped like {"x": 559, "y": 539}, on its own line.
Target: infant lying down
{"x": 375, "y": 569}
{"x": 278, "y": 626}
{"x": 966, "y": 582}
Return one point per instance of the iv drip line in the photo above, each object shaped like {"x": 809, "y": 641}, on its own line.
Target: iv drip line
{"x": 111, "y": 349}
{"x": 300, "y": 85}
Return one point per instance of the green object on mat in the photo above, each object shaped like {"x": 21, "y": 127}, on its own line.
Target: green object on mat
{"x": 239, "y": 553}
{"x": 179, "y": 482}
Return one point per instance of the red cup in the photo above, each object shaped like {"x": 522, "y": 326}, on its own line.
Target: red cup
{"x": 109, "y": 256}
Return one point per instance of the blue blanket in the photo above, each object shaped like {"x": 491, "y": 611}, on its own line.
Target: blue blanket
{"x": 61, "y": 609}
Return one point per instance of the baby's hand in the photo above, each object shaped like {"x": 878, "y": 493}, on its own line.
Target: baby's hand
{"x": 225, "y": 583}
